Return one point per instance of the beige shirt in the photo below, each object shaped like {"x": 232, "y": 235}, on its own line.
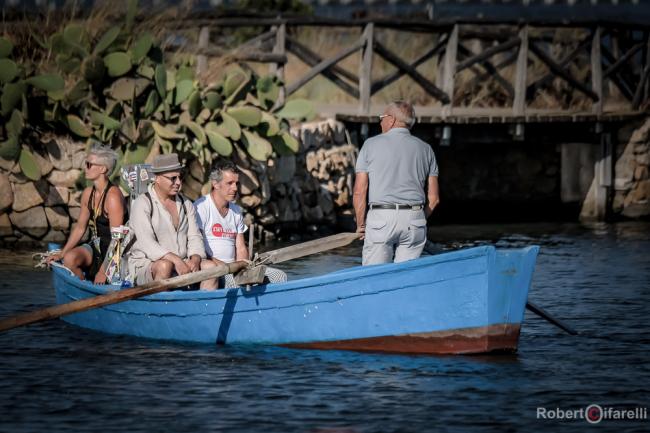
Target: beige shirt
{"x": 157, "y": 236}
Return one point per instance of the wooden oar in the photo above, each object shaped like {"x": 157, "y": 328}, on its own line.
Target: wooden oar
{"x": 307, "y": 248}
{"x": 431, "y": 248}
{"x": 543, "y": 314}
{"x": 255, "y": 274}
{"x": 120, "y": 296}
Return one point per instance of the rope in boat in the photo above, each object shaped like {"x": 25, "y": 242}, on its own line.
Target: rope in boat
{"x": 42, "y": 257}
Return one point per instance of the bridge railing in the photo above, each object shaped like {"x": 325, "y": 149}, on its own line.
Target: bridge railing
{"x": 594, "y": 69}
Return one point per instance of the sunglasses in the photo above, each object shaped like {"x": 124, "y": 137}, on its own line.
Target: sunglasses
{"x": 173, "y": 179}
{"x": 385, "y": 115}
{"x": 89, "y": 164}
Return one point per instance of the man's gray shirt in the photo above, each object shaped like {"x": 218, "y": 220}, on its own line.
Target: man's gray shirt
{"x": 398, "y": 165}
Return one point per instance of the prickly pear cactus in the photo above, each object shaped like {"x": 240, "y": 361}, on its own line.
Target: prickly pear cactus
{"x": 116, "y": 88}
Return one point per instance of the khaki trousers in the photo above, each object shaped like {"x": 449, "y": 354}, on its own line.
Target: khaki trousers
{"x": 394, "y": 235}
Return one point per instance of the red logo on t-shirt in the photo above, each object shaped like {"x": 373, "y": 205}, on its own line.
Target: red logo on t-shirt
{"x": 218, "y": 232}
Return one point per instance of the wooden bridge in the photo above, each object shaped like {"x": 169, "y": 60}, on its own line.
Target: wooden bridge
{"x": 586, "y": 71}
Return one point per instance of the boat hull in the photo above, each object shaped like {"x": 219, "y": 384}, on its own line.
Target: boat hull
{"x": 467, "y": 301}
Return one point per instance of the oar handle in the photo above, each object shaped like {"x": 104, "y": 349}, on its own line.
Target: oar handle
{"x": 120, "y": 295}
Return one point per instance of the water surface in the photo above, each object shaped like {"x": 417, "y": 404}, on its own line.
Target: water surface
{"x": 58, "y": 378}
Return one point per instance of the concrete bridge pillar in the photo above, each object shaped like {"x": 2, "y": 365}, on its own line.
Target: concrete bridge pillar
{"x": 587, "y": 177}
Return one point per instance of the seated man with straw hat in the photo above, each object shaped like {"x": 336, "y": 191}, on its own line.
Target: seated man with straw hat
{"x": 168, "y": 241}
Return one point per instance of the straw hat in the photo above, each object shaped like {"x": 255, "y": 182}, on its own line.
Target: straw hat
{"x": 167, "y": 162}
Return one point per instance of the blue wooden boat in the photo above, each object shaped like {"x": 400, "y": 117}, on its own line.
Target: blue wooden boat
{"x": 466, "y": 301}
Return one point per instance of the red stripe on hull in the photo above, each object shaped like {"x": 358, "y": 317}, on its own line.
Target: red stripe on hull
{"x": 483, "y": 339}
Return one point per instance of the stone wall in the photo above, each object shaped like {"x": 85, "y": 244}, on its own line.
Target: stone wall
{"x": 297, "y": 193}
{"x": 43, "y": 210}
{"x": 632, "y": 179}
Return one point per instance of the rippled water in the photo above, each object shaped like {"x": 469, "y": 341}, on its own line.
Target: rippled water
{"x": 56, "y": 378}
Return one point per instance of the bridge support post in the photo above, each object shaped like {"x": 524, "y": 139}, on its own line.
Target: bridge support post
{"x": 597, "y": 203}
{"x": 276, "y": 68}
{"x": 201, "y": 59}
{"x": 365, "y": 69}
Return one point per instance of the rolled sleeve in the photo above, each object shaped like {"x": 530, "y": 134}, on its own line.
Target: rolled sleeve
{"x": 140, "y": 224}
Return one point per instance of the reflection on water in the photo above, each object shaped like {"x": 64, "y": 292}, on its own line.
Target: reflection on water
{"x": 55, "y": 378}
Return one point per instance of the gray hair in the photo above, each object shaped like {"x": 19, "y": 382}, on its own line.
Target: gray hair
{"x": 105, "y": 156}
{"x": 220, "y": 166}
{"x": 403, "y": 112}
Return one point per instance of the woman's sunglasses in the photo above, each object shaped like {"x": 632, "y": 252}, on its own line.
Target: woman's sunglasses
{"x": 89, "y": 164}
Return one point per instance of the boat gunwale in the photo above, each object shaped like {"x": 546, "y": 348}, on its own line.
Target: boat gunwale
{"x": 354, "y": 273}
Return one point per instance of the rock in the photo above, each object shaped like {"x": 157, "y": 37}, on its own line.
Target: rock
{"x": 641, "y": 192}
{"x": 618, "y": 202}
{"x": 641, "y": 172}
{"x": 57, "y": 195}
{"x": 33, "y": 221}
{"x": 191, "y": 188}
{"x": 7, "y": 164}
{"x": 57, "y": 217}
{"x": 16, "y": 168}
{"x": 285, "y": 169}
{"x": 29, "y": 195}
{"x": 248, "y": 181}
{"x": 55, "y": 236}
{"x": 206, "y": 188}
{"x": 61, "y": 151}
{"x": 6, "y": 229}
{"x": 643, "y": 159}
{"x": 311, "y": 161}
{"x": 313, "y": 214}
{"x": 285, "y": 213}
{"x": 268, "y": 219}
{"x": 79, "y": 160}
{"x": 74, "y": 212}
{"x": 16, "y": 178}
{"x": 343, "y": 198}
{"x": 637, "y": 210}
{"x": 64, "y": 178}
{"x": 281, "y": 190}
{"x": 338, "y": 131}
{"x": 240, "y": 158}
{"x": 248, "y": 219}
{"x": 75, "y": 198}
{"x": 197, "y": 171}
{"x": 265, "y": 187}
{"x": 252, "y": 201}
{"x": 6, "y": 193}
{"x": 641, "y": 148}
{"x": 325, "y": 201}
{"x": 43, "y": 161}
{"x": 641, "y": 134}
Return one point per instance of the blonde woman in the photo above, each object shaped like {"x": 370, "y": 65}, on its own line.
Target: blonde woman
{"x": 102, "y": 207}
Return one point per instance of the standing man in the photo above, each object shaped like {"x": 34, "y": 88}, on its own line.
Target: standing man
{"x": 222, "y": 224}
{"x": 397, "y": 185}
{"x": 168, "y": 240}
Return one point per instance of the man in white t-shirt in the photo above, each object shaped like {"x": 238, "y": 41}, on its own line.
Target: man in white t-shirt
{"x": 222, "y": 223}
